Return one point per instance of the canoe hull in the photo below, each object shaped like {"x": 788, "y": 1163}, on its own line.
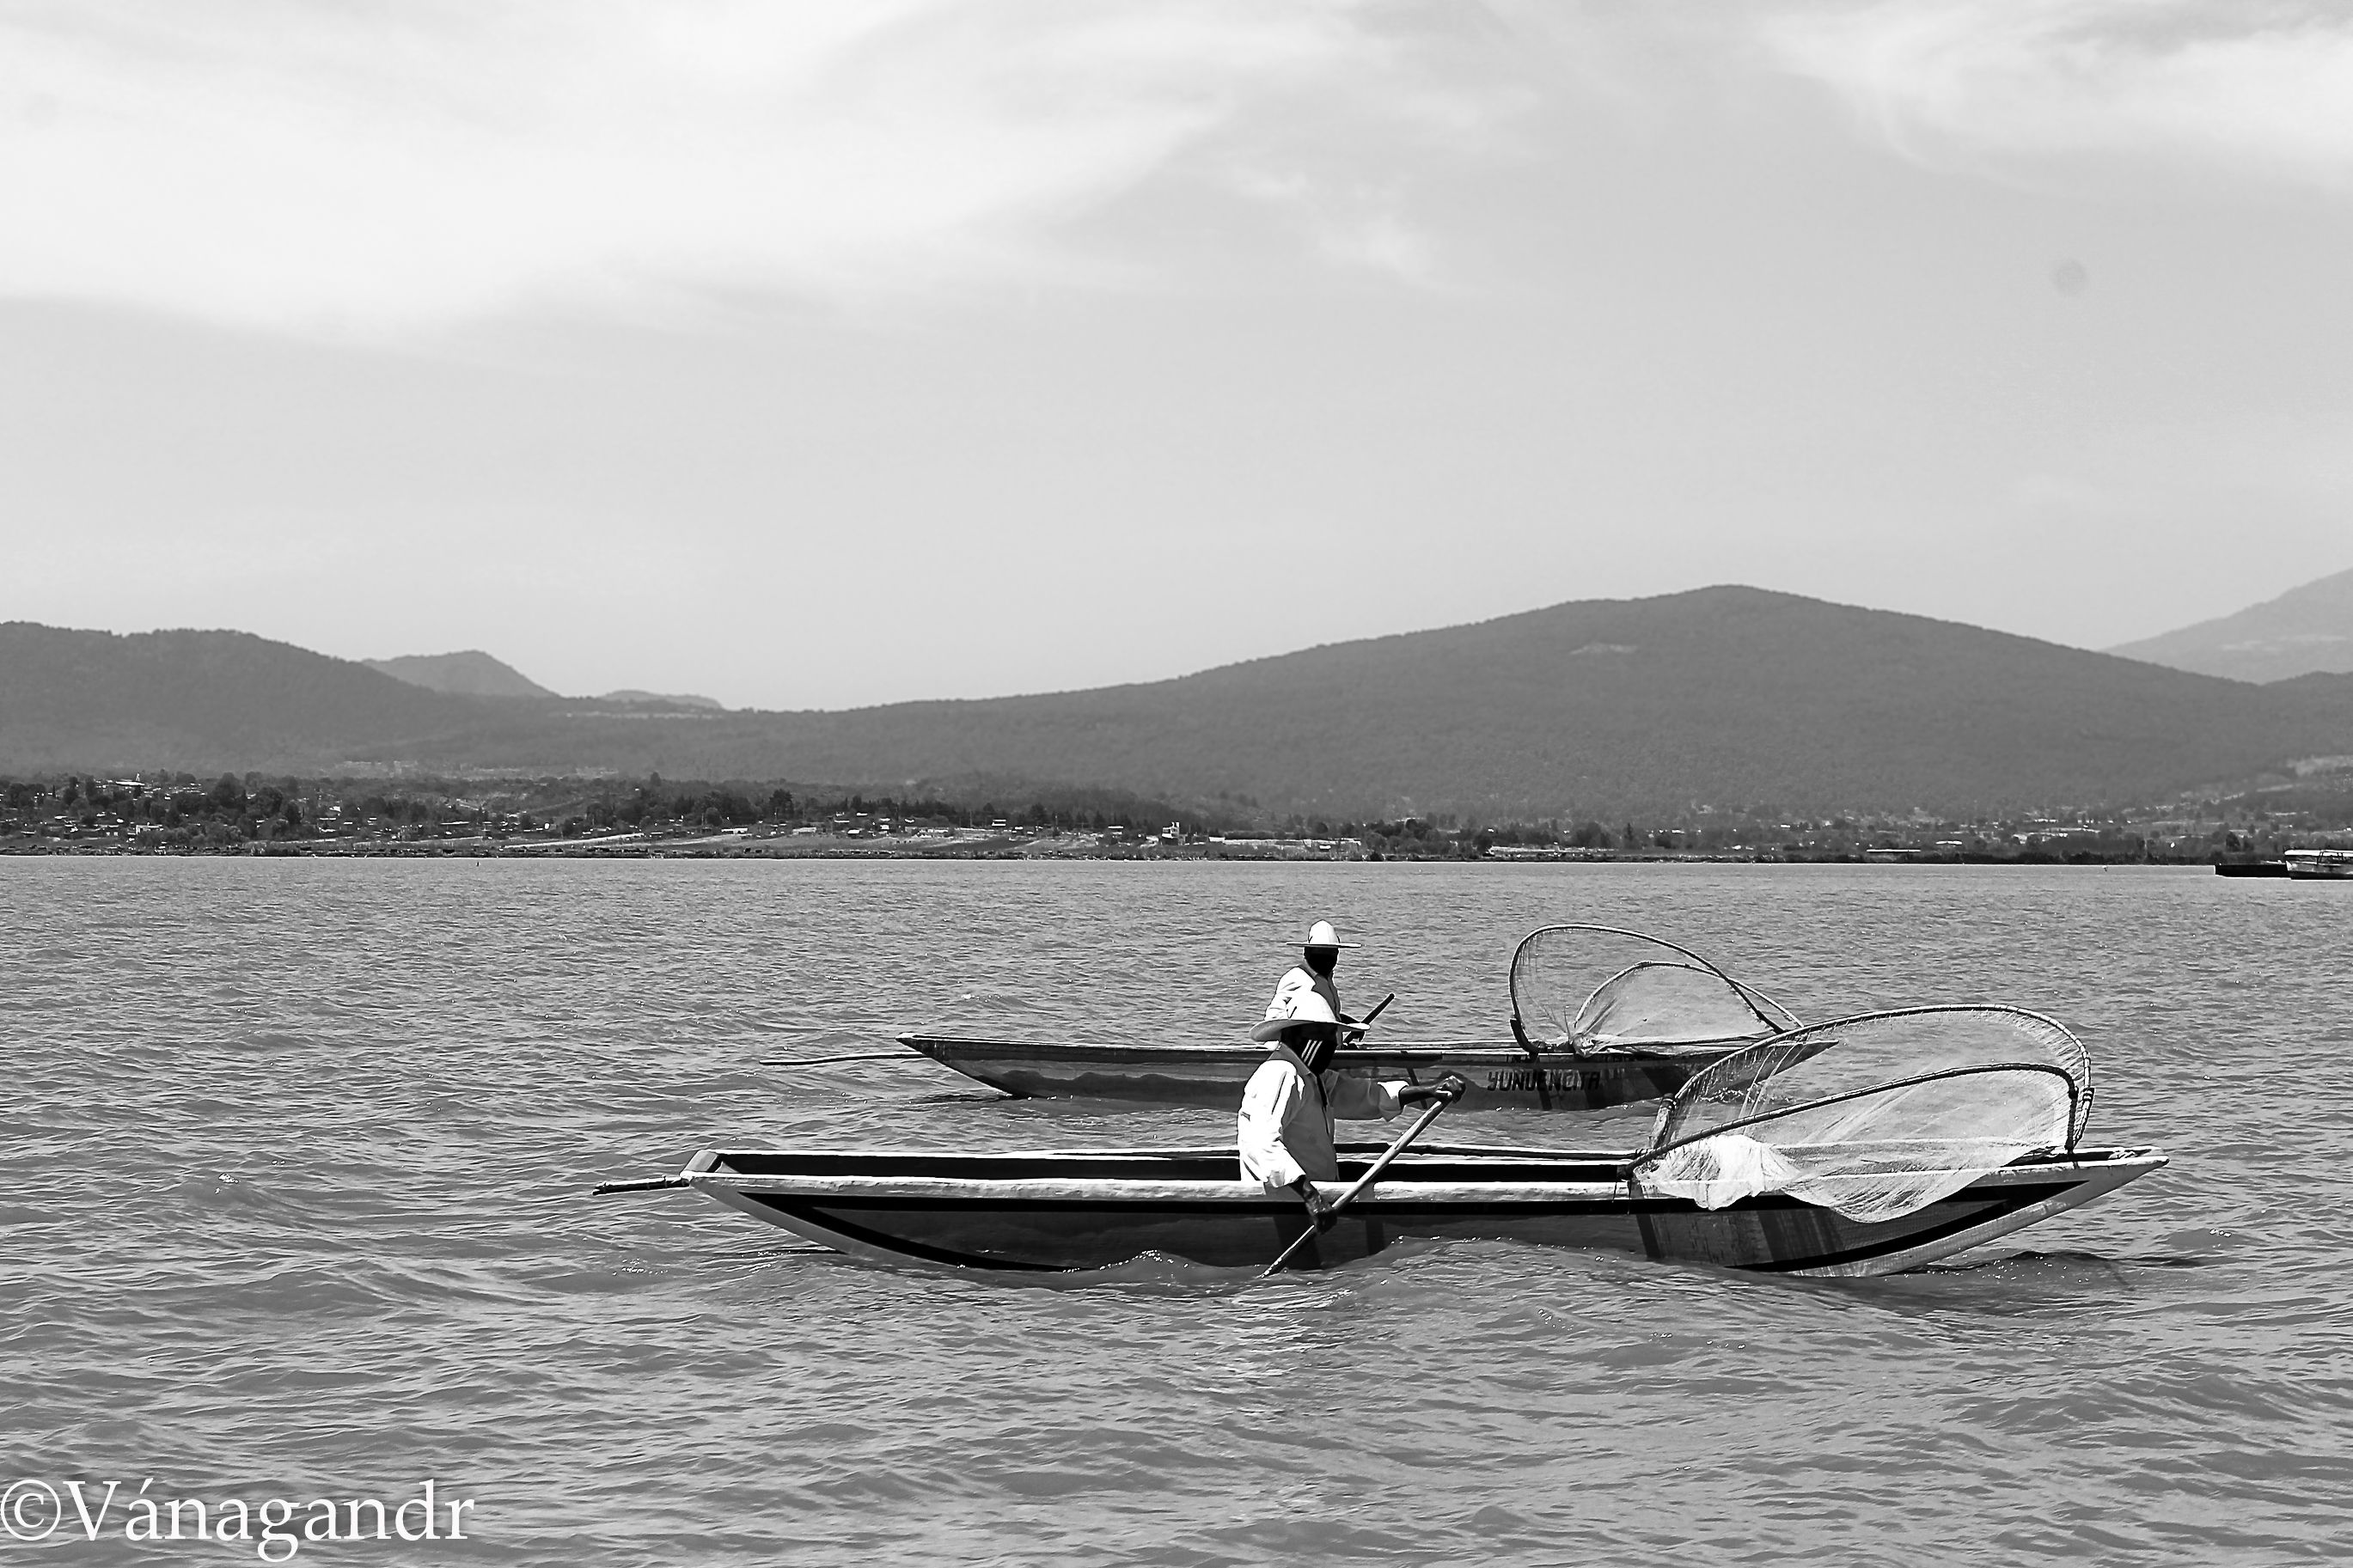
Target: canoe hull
{"x": 1501, "y": 1076}
{"x": 1062, "y": 1213}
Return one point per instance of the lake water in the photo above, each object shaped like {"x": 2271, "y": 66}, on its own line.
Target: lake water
{"x": 296, "y": 1154}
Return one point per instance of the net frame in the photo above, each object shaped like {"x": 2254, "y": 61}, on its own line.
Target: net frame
{"x": 1714, "y": 1142}
{"x": 1774, "y": 1018}
{"x": 1873, "y": 1116}
{"x": 1745, "y": 1075}
{"x": 2076, "y": 1095}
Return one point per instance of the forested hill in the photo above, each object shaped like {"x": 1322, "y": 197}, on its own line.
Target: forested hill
{"x": 1721, "y": 695}
{"x": 198, "y": 700}
{"x": 468, "y": 673}
{"x": 1726, "y": 696}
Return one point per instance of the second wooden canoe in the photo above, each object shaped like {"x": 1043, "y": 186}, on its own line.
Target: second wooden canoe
{"x": 1501, "y": 1076}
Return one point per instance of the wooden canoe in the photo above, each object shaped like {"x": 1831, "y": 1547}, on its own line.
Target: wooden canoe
{"x": 1501, "y": 1076}
{"x": 1602, "y": 1018}
{"x": 1086, "y": 1209}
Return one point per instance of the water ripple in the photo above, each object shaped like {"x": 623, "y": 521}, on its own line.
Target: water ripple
{"x": 293, "y": 1205}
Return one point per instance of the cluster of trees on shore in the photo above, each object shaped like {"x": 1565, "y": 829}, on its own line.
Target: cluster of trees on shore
{"x": 180, "y": 811}
{"x": 2074, "y": 839}
{"x": 194, "y": 810}
{"x": 655, "y": 804}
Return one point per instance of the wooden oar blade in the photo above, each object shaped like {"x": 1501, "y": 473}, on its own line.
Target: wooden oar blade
{"x": 1362, "y": 1182}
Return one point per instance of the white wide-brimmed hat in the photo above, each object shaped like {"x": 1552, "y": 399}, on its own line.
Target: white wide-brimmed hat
{"x": 1321, "y": 935}
{"x": 1292, "y": 1005}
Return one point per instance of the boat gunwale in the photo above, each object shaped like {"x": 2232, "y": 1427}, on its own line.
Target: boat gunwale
{"x": 1999, "y": 1204}
{"x": 1426, "y": 1180}
{"x": 1408, "y": 1053}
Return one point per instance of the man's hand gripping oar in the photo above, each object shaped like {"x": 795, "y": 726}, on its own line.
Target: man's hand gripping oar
{"x": 1443, "y": 1093}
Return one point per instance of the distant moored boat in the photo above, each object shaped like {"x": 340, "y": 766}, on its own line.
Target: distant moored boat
{"x": 2320, "y": 865}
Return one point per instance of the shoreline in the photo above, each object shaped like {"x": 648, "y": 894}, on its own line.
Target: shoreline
{"x": 705, "y": 849}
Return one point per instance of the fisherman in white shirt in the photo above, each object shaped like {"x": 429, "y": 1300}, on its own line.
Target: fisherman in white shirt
{"x": 1318, "y": 959}
{"x": 1284, "y": 1132}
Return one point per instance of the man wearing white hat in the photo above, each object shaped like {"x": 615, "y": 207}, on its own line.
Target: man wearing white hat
{"x": 1313, "y": 973}
{"x": 1284, "y": 1132}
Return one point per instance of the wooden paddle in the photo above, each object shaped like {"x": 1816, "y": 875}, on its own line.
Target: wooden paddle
{"x": 824, "y": 1062}
{"x": 649, "y": 1184}
{"x": 1362, "y": 1182}
{"x": 1359, "y": 1028}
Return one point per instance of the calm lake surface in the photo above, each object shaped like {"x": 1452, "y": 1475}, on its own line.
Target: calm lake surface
{"x": 296, "y": 1154}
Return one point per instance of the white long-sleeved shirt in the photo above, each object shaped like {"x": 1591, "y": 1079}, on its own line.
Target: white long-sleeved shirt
{"x": 1284, "y": 1131}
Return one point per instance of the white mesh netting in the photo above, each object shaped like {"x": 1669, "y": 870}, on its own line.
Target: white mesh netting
{"x": 1874, "y": 1117}
{"x": 1596, "y": 988}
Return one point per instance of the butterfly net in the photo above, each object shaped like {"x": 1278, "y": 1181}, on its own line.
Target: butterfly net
{"x": 1875, "y": 1117}
{"x": 1588, "y": 988}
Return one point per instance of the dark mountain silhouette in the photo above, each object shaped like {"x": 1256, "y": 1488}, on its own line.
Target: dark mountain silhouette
{"x": 1726, "y": 696}
{"x": 2305, "y": 631}
{"x": 470, "y": 673}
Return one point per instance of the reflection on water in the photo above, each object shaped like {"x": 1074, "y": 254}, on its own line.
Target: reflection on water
{"x": 294, "y": 1204}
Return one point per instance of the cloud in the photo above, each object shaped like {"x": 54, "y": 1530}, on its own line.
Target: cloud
{"x": 2242, "y": 87}
{"x": 376, "y": 167}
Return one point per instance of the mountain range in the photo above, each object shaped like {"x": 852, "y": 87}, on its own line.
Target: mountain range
{"x": 2305, "y": 631}
{"x": 1723, "y": 696}
{"x": 473, "y": 673}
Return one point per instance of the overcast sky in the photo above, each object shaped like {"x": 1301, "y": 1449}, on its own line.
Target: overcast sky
{"x": 810, "y": 356}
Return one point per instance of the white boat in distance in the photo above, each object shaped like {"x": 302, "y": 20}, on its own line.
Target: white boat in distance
{"x": 2320, "y": 865}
